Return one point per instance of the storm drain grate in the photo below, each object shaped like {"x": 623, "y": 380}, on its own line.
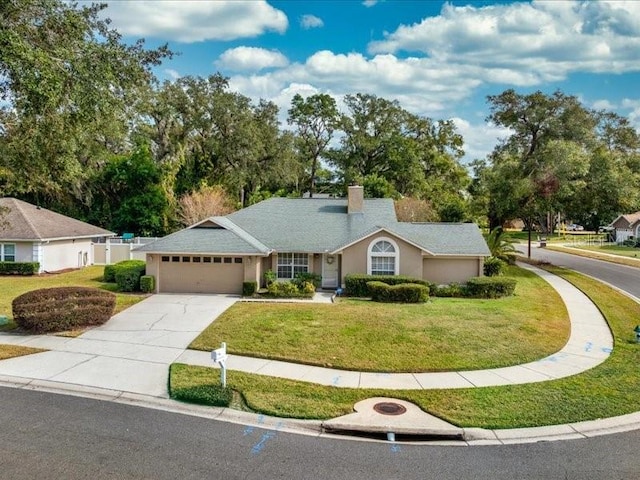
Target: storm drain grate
{"x": 389, "y": 408}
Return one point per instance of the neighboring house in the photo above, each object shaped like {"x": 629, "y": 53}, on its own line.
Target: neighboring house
{"x": 331, "y": 237}
{"x": 33, "y": 234}
{"x": 626, "y": 226}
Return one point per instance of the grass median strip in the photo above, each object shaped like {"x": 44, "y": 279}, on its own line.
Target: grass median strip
{"x": 610, "y": 257}
{"x": 610, "y": 389}
{"x": 441, "y": 335}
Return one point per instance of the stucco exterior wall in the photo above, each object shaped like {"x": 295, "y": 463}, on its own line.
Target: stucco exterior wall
{"x": 153, "y": 264}
{"x": 354, "y": 258}
{"x": 252, "y": 269}
{"x": 447, "y": 270}
{"x": 63, "y": 254}
{"x": 24, "y": 251}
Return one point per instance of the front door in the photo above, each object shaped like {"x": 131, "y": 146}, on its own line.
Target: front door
{"x": 330, "y": 271}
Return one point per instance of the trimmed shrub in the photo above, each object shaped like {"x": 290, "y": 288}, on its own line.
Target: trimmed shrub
{"x": 452, "y": 290}
{"x": 19, "y": 268}
{"x": 401, "y": 293}
{"x": 494, "y": 266}
{"x": 62, "y": 308}
{"x": 491, "y": 287}
{"x": 291, "y": 290}
{"x": 356, "y": 283}
{"x": 128, "y": 274}
{"x": 147, "y": 283}
{"x": 313, "y": 278}
{"x": 249, "y": 288}
{"x": 379, "y": 291}
{"x": 109, "y": 274}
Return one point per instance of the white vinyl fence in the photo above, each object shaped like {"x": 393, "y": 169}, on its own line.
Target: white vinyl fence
{"x": 117, "y": 249}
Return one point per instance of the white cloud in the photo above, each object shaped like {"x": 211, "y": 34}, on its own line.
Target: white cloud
{"x": 173, "y": 74}
{"x": 527, "y": 43}
{"x": 479, "y": 138}
{"x": 633, "y": 106}
{"x": 251, "y": 59}
{"x": 369, "y": 3}
{"x": 195, "y": 21}
{"x": 311, "y": 21}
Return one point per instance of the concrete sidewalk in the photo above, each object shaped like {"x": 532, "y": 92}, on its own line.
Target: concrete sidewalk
{"x": 590, "y": 344}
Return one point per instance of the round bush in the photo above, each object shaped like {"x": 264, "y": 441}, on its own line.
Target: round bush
{"x": 62, "y": 308}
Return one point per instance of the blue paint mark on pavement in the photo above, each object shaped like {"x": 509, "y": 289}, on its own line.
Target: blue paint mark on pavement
{"x": 335, "y": 380}
{"x": 247, "y": 431}
{"x": 258, "y": 447}
{"x": 607, "y": 349}
{"x": 395, "y": 448}
{"x": 588, "y": 347}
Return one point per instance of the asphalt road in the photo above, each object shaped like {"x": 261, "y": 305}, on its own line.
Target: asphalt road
{"x": 621, "y": 276}
{"x": 49, "y": 436}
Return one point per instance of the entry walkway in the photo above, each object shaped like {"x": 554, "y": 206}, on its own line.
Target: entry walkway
{"x": 590, "y": 344}
{"x": 132, "y": 351}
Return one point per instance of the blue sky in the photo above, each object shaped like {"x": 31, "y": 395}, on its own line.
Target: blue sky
{"x": 438, "y": 59}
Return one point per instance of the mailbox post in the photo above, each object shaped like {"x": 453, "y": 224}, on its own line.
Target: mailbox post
{"x": 219, "y": 355}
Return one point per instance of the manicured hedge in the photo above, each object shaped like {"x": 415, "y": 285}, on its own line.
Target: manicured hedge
{"x": 109, "y": 274}
{"x": 147, "y": 283}
{"x": 490, "y": 287}
{"x": 291, "y": 290}
{"x": 356, "y": 283}
{"x": 62, "y": 308}
{"x": 19, "y": 268}
{"x": 249, "y": 288}
{"x": 126, "y": 274}
{"x": 402, "y": 293}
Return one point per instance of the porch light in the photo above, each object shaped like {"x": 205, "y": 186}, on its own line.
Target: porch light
{"x": 637, "y": 330}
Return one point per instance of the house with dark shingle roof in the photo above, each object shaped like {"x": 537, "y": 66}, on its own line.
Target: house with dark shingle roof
{"x": 29, "y": 233}
{"x": 626, "y": 226}
{"x": 330, "y": 237}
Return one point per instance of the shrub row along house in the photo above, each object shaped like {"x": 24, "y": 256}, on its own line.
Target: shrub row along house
{"x": 29, "y": 233}
{"x": 330, "y": 237}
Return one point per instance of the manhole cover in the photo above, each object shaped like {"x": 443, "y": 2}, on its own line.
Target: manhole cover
{"x": 389, "y": 408}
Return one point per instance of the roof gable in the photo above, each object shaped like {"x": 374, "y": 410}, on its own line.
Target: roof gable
{"x": 24, "y": 221}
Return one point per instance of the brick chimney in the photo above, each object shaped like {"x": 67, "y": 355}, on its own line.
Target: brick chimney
{"x": 355, "y": 203}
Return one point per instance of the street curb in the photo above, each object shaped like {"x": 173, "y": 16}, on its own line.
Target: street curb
{"x": 471, "y": 436}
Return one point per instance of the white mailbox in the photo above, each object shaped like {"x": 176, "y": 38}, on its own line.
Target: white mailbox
{"x": 219, "y": 355}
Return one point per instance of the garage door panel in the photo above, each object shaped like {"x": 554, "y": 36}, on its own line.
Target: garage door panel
{"x": 178, "y": 277}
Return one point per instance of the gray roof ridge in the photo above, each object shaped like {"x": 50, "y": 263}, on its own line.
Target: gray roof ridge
{"x": 227, "y": 224}
{"x": 18, "y": 205}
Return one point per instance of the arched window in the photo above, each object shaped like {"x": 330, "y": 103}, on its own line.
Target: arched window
{"x": 383, "y": 257}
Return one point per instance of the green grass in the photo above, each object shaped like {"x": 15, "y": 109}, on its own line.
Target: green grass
{"x": 10, "y": 351}
{"x": 610, "y": 389}
{"x": 443, "y": 334}
{"x": 12, "y": 286}
{"x": 597, "y": 254}
{"x": 619, "y": 250}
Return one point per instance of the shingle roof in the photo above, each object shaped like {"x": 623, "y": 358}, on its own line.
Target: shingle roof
{"x": 315, "y": 225}
{"x": 632, "y": 218}
{"x": 24, "y": 221}
{"x": 202, "y": 240}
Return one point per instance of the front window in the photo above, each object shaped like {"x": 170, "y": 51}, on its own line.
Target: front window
{"x": 289, "y": 264}
{"x": 7, "y": 252}
{"x": 383, "y": 257}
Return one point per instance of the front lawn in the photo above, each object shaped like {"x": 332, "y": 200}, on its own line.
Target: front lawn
{"x": 443, "y": 334}
{"x": 619, "y": 250}
{"x": 610, "y": 389}
{"x": 11, "y": 286}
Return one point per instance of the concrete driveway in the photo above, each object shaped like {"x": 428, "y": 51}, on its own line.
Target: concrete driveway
{"x": 130, "y": 353}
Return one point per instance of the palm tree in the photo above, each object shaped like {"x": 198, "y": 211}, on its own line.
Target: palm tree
{"x": 500, "y": 247}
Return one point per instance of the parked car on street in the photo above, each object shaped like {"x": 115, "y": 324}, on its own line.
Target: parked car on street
{"x": 574, "y": 227}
